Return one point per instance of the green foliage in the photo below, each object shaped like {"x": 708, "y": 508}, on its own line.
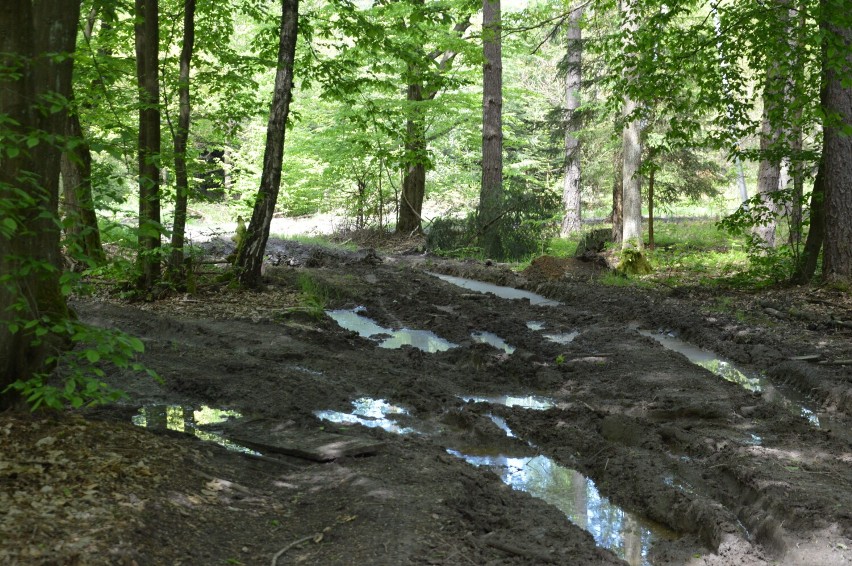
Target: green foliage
{"x": 314, "y": 296}
{"x": 769, "y": 265}
{"x": 81, "y": 368}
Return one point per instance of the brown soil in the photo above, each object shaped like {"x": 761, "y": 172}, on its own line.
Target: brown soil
{"x": 661, "y": 437}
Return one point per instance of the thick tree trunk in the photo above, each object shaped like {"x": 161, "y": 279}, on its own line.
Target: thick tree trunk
{"x": 571, "y": 222}
{"x": 491, "y": 191}
{"x": 632, "y": 160}
{"x": 837, "y": 145}
{"x": 81, "y": 223}
{"x": 631, "y": 149}
{"x": 414, "y": 179}
{"x": 147, "y": 58}
{"x": 769, "y": 169}
{"x": 250, "y": 254}
{"x": 176, "y": 264}
{"x": 29, "y": 180}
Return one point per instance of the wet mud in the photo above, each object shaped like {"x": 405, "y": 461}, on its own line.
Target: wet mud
{"x": 568, "y": 423}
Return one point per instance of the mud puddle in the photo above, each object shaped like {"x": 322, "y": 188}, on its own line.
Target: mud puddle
{"x": 628, "y": 536}
{"x": 528, "y": 402}
{"x": 497, "y": 290}
{"x": 371, "y": 413}
{"x": 187, "y": 420}
{"x": 728, "y": 371}
{"x": 492, "y": 340}
{"x": 388, "y": 338}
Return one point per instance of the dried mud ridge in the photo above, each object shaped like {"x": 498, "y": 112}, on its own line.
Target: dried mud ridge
{"x": 713, "y": 472}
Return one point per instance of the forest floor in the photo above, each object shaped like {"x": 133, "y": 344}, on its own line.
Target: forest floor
{"x": 578, "y": 420}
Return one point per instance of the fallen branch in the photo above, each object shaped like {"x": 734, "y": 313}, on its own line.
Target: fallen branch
{"x": 281, "y": 552}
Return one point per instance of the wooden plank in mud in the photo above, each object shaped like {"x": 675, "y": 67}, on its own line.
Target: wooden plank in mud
{"x": 316, "y": 446}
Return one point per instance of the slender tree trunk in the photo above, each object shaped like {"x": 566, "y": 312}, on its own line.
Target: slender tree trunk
{"x": 631, "y": 149}
{"x": 250, "y": 254}
{"x": 491, "y": 191}
{"x": 572, "y": 222}
{"x": 617, "y": 214}
{"x": 181, "y": 136}
{"x": 837, "y": 143}
{"x": 414, "y": 179}
{"x": 147, "y": 56}
{"x": 81, "y": 221}
{"x": 30, "y": 262}
{"x": 651, "y": 209}
{"x": 816, "y": 230}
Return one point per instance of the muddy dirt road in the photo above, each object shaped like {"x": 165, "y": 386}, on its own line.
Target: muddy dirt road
{"x": 578, "y": 427}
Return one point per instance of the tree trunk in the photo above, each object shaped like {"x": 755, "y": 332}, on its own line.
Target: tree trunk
{"x": 775, "y": 129}
{"x": 837, "y": 144}
{"x": 491, "y": 191}
{"x": 571, "y": 222}
{"x": 769, "y": 170}
{"x": 81, "y": 222}
{"x": 410, "y": 208}
{"x": 414, "y": 179}
{"x": 250, "y": 254}
{"x": 30, "y": 262}
{"x": 631, "y": 149}
{"x": 181, "y": 135}
{"x": 816, "y": 231}
{"x": 147, "y": 57}
{"x": 651, "y": 210}
{"x": 617, "y": 214}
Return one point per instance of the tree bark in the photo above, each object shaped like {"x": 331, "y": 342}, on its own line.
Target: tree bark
{"x": 81, "y": 221}
{"x": 617, "y": 214}
{"x": 769, "y": 169}
{"x": 631, "y": 149}
{"x": 410, "y": 207}
{"x": 816, "y": 230}
{"x": 837, "y": 144}
{"x": 147, "y": 33}
{"x": 572, "y": 222}
{"x": 176, "y": 263}
{"x": 491, "y": 190}
{"x": 651, "y": 210}
{"x": 414, "y": 180}
{"x": 30, "y": 262}
{"x": 250, "y": 254}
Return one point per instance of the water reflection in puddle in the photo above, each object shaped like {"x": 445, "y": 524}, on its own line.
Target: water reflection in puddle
{"x": 498, "y": 290}
{"x": 535, "y": 325}
{"x": 492, "y": 340}
{"x": 529, "y": 402}
{"x": 371, "y": 413}
{"x": 562, "y": 337}
{"x": 420, "y": 339}
{"x": 625, "y": 534}
{"x": 728, "y": 371}
{"x": 187, "y": 419}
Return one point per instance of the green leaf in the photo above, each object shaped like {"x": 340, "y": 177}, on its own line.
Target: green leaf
{"x": 12, "y": 152}
{"x": 10, "y": 224}
{"x": 93, "y": 356}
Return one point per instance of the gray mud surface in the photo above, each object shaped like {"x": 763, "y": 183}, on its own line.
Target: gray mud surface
{"x": 728, "y": 475}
